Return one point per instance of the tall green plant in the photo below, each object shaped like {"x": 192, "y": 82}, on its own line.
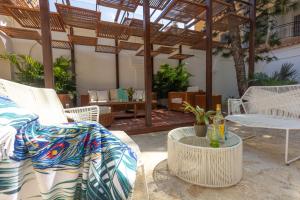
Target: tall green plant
{"x": 63, "y": 77}
{"x": 285, "y": 76}
{"x": 31, "y": 72}
{"x": 170, "y": 78}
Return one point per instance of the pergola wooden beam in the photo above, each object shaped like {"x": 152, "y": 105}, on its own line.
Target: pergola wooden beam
{"x": 147, "y": 64}
{"x": 46, "y": 43}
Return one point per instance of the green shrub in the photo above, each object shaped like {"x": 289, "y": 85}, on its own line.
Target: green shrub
{"x": 169, "y": 79}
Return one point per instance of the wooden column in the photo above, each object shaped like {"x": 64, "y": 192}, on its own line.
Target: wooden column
{"x": 46, "y": 43}
{"x": 209, "y": 55}
{"x": 180, "y": 51}
{"x": 147, "y": 63}
{"x": 251, "y": 68}
{"x": 152, "y": 62}
{"x": 117, "y": 66}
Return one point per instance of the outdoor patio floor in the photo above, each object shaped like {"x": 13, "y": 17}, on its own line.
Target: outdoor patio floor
{"x": 162, "y": 120}
{"x": 265, "y": 176}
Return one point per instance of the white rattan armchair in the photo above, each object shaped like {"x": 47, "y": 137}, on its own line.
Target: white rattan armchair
{"x": 87, "y": 113}
{"x": 272, "y": 107}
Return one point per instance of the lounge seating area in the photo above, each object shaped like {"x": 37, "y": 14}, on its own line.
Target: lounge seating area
{"x": 149, "y": 100}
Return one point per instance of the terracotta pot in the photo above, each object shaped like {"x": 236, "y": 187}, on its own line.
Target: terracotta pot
{"x": 200, "y": 130}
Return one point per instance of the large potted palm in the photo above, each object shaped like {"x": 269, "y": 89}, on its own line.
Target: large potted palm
{"x": 64, "y": 84}
{"x": 170, "y": 79}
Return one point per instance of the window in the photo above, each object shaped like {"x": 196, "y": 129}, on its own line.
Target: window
{"x": 297, "y": 25}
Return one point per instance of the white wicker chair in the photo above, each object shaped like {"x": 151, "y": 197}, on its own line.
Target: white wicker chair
{"x": 45, "y": 103}
{"x": 274, "y": 107}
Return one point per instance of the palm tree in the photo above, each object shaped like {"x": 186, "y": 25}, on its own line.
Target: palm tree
{"x": 237, "y": 37}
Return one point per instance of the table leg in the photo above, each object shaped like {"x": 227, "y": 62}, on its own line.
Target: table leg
{"x": 135, "y": 110}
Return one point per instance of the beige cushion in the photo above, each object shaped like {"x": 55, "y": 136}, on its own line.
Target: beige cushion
{"x": 193, "y": 89}
{"x": 102, "y": 96}
{"x": 113, "y": 94}
{"x": 93, "y": 95}
{"x": 176, "y": 100}
{"x": 139, "y": 94}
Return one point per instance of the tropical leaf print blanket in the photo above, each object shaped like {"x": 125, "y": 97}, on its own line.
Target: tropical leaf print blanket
{"x": 67, "y": 161}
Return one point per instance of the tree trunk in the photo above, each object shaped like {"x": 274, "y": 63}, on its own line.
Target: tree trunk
{"x": 238, "y": 57}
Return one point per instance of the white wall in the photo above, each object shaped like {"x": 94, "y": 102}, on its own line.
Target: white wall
{"x": 285, "y": 55}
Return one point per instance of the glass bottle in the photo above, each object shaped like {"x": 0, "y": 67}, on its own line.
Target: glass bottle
{"x": 219, "y": 123}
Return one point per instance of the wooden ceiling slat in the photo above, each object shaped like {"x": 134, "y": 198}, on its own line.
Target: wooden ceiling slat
{"x": 166, "y": 50}
{"x": 136, "y": 27}
{"x": 30, "y": 18}
{"x": 78, "y": 17}
{"x": 113, "y": 30}
{"x": 170, "y": 37}
{"x": 127, "y": 5}
{"x": 182, "y": 11}
{"x": 132, "y": 46}
{"x": 83, "y": 40}
{"x": 141, "y": 53}
{"x": 190, "y": 37}
{"x": 60, "y": 44}
{"x": 156, "y": 4}
{"x": 180, "y": 56}
{"x": 107, "y": 49}
{"x": 20, "y": 33}
{"x": 229, "y": 19}
{"x": 201, "y": 45}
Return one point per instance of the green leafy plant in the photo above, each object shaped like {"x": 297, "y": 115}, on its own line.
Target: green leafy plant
{"x": 130, "y": 92}
{"x": 169, "y": 79}
{"x": 31, "y": 72}
{"x": 202, "y": 117}
{"x": 285, "y": 76}
{"x": 63, "y": 77}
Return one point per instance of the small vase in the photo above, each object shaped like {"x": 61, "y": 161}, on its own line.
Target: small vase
{"x": 200, "y": 130}
{"x": 130, "y": 98}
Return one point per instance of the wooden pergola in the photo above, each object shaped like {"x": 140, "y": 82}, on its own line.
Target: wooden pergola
{"x": 215, "y": 14}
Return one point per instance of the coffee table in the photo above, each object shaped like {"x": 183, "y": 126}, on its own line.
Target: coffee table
{"x": 192, "y": 159}
{"x": 116, "y": 103}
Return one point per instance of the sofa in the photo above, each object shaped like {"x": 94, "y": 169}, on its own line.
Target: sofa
{"x": 175, "y": 99}
{"x": 115, "y": 95}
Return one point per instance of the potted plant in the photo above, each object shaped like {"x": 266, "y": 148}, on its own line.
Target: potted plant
{"x": 64, "y": 82}
{"x": 170, "y": 79}
{"x": 201, "y": 117}
{"x": 130, "y": 92}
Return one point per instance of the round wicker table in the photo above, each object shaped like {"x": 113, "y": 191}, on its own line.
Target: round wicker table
{"x": 192, "y": 159}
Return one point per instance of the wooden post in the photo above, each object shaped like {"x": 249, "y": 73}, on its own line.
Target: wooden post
{"x": 209, "y": 55}
{"x": 152, "y": 62}
{"x": 73, "y": 65}
{"x": 251, "y": 68}
{"x": 117, "y": 66}
{"x": 180, "y": 51}
{"x": 147, "y": 64}
{"x": 46, "y": 43}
